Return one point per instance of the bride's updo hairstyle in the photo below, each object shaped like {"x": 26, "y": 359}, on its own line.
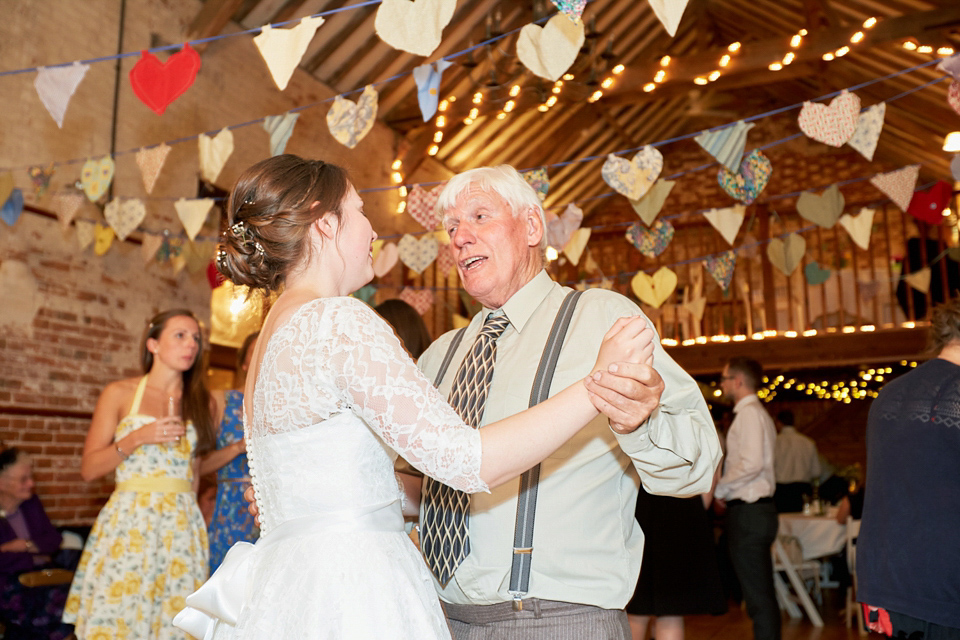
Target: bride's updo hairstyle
{"x": 268, "y": 216}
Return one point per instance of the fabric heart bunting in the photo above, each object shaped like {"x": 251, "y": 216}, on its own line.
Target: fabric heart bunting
{"x": 950, "y": 66}
{"x": 428, "y": 78}
{"x": 549, "y": 51}
{"x": 40, "y": 177}
{"x": 151, "y": 243}
{"x": 158, "y": 84}
{"x": 859, "y": 227}
{"x": 869, "y": 126}
{"x": 833, "y": 124}
{"x": 726, "y": 144}
{"x": 919, "y": 280}
{"x": 815, "y": 274}
{"x": 539, "y": 180}
{"x": 695, "y": 308}
{"x": 559, "y": 229}
{"x": 85, "y": 231}
{"x": 102, "y": 239}
{"x": 421, "y": 299}
{"x": 365, "y": 293}
{"x": 653, "y": 241}
{"x": 385, "y": 260}
{"x": 746, "y": 184}
{"x": 214, "y": 153}
{"x": 633, "y": 178}
{"x": 12, "y": 207}
{"x": 669, "y": 13}
{"x": 720, "y": 266}
{"x": 572, "y": 8}
{"x": 654, "y": 290}
{"x": 445, "y": 261}
{"x": 785, "y": 254}
{"x": 422, "y": 205}
{"x": 928, "y": 205}
{"x": 577, "y": 243}
{"x": 649, "y": 206}
{"x": 727, "y": 221}
{"x": 96, "y": 176}
{"x": 150, "y": 160}
{"x": 56, "y": 85}
{"x": 823, "y": 209}
{"x": 414, "y": 27}
{"x": 898, "y": 185}
{"x": 349, "y": 122}
{"x": 417, "y": 254}
{"x": 124, "y": 217}
{"x": 66, "y": 206}
{"x": 193, "y": 213}
{"x": 953, "y": 95}
{"x": 279, "y": 128}
{"x": 282, "y": 49}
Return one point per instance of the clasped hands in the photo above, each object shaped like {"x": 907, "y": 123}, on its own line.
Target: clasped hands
{"x": 628, "y": 390}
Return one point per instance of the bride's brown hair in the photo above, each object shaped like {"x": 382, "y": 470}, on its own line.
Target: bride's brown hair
{"x": 271, "y": 208}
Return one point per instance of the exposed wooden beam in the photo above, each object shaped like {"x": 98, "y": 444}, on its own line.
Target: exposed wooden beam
{"x": 213, "y": 16}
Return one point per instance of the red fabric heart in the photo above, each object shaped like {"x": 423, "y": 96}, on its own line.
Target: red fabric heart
{"x": 928, "y": 205}
{"x": 213, "y": 276}
{"x": 158, "y": 84}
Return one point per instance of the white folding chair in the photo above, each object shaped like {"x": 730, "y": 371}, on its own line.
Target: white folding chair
{"x": 798, "y": 572}
{"x": 852, "y": 606}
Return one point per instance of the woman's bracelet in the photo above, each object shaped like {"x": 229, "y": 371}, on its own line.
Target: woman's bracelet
{"x": 123, "y": 456}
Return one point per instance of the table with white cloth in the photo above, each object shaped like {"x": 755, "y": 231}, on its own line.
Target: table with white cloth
{"x": 819, "y": 536}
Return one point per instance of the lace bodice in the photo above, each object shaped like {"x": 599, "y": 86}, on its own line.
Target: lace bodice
{"x": 336, "y": 397}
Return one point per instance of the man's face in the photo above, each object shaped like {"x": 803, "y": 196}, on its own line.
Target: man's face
{"x": 496, "y": 251}
{"x": 728, "y": 383}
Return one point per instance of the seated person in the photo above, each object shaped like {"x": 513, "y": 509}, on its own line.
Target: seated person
{"x": 28, "y": 540}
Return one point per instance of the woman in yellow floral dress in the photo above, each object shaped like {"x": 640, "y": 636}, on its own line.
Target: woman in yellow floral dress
{"x": 148, "y": 548}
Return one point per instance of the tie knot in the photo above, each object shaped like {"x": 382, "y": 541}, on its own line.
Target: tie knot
{"x": 493, "y": 326}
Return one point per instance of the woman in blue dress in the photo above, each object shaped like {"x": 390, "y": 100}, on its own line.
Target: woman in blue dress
{"x": 231, "y": 522}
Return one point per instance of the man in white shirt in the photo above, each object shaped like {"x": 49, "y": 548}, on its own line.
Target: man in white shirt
{"x": 746, "y": 489}
{"x": 796, "y": 464}
{"x": 587, "y": 545}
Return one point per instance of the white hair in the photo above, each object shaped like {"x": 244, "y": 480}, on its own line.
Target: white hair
{"x": 503, "y": 180}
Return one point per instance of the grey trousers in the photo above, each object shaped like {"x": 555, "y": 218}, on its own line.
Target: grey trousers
{"x": 539, "y": 620}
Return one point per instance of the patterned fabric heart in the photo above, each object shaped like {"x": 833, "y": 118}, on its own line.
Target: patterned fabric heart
{"x": 445, "y": 261}
{"x": 124, "y": 216}
{"x": 898, "y": 185}
{"x": 66, "y": 206}
{"x": 653, "y": 241}
{"x": 158, "y": 84}
{"x": 102, "y": 239}
{"x": 869, "y": 126}
{"x": 12, "y": 208}
{"x": 953, "y": 95}
{"x": 633, "y": 178}
{"x": 417, "y": 254}
{"x": 538, "y": 179}
{"x": 40, "y": 177}
{"x": 833, "y": 124}
{"x": 95, "y": 177}
{"x": 753, "y": 176}
{"x": 422, "y": 205}
{"x": 549, "y": 51}
{"x": 560, "y": 229}
{"x": 419, "y": 299}
{"x": 349, "y": 122}
{"x": 150, "y": 160}
{"x": 573, "y": 8}
{"x": 720, "y": 266}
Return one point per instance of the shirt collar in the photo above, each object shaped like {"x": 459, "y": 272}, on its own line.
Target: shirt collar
{"x": 745, "y": 400}
{"x": 521, "y": 305}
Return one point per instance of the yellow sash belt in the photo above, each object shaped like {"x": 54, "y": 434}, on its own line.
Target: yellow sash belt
{"x": 163, "y": 484}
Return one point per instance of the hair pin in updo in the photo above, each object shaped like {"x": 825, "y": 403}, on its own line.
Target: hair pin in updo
{"x": 240, "y": 231}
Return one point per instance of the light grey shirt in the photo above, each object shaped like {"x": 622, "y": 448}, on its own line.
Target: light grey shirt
{"x": 587, "y": 543}
{"x": 748, "y": 468}
{"x": 795, "y": 457}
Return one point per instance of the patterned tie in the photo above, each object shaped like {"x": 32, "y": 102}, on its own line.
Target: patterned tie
{"x": 444, "y": 536}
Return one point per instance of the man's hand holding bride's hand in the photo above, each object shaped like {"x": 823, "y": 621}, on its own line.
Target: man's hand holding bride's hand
{"x": 628, "y": 389}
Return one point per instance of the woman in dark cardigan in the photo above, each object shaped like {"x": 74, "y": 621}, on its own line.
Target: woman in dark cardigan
{"x": 28, "y": 540}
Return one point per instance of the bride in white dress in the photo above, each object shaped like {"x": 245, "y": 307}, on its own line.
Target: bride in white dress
{"x": 331, "y": 399}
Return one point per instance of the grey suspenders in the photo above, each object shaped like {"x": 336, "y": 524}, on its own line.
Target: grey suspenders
{"x": 527, "y": 498}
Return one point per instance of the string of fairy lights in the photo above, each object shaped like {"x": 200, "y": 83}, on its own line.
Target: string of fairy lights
{"x": 865, "y": 384}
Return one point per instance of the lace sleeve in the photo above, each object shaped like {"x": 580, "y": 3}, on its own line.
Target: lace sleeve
{"x": 381, "y": 384}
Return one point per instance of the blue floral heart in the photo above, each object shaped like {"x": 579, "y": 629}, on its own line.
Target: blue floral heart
{"x": 13, "y": 207}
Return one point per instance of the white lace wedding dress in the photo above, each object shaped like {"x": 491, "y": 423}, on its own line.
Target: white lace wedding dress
{"x": 335, "y": 397}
